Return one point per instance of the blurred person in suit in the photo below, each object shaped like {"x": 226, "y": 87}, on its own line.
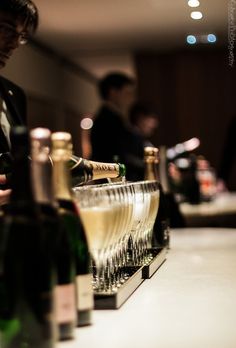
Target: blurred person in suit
{"x": 144, "y": 120}
{"x": 18, "y": 20}
{"x": 112, "y": 137}
{"x": 144, "y": 117}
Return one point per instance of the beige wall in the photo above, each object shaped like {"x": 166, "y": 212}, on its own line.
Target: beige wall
{"x": 42, "y": 76}
{"x": 57, "y": 97}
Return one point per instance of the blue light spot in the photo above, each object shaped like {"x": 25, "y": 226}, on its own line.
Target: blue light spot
{"x": 211, "y": 38}
{"x": 191, "y": 39}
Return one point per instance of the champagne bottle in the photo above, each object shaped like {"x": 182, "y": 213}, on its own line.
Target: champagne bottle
{"x": 26, "y": 317}
{"x": 188, "y": 188}
{"x": 175, "y": 218}
{"x": 161, "y": 226}
{"x": 83, "y": 170}
{"x": 53, "y": 232}
{"x": 62, "y": 151}
{"x": 150, "y": 160}
{"x": 65, "y": 294}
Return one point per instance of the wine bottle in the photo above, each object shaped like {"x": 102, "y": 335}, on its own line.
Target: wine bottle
{"x": 83, "y": 170}
{"x": 61, "y": 153}
{"x": 174, "y": 216}
{"x": 161, "y": 226}
{"x": 188, "y": 188}
{"x": 26, "y": 299}
{"x": 57, "y": 249}
{"x": 150, "y": 160}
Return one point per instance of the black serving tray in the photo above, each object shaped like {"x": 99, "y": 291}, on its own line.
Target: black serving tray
{"x": 159, "y": 256}
{"x": 114, "y": 300}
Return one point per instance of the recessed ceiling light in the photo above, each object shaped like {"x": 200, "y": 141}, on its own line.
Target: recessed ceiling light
{"x": 211, "y": 38}
{"x": 193, "y": 3}
{"x": 196, "y": 15}
{"x": 191, "y": 39}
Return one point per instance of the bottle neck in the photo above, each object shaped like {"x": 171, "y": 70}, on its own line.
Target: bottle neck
{"x": 150, "y": 171}
{"x": 91, "y": 170}
{"x": 22, "y": 190}
{"x": 61, "y": 180}
{"x": 42, "y": 182}
{"x": 163, "y": 170}
{"x": 104, "y": 170}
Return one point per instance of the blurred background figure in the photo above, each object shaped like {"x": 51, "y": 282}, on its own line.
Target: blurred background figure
{"x": 144, "y": 119}
{"x": 112, "y": 138}
{"x": 228, "y": 158}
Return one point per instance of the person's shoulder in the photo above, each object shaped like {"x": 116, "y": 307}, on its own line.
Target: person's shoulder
{"x": 10, "y": 85}
{"x": 105, "y": 111}
{"x": 108, "y": 116}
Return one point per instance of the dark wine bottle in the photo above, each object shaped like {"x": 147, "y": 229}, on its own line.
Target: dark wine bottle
{"x": 61, "y": 153}
{"x": 188, "y": 188}
{"x": 83, "y": 170}
{"x": 173, "y": 212}
{"x": 26, "y": 297}
{"x": 161, "y": 228}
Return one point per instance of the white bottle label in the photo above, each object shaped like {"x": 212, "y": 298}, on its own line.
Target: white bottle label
{"x": 84, "y": 292}
{"x": 65, "y": 309}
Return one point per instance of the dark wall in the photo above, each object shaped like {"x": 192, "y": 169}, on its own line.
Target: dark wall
{"x": 195, "y": 93}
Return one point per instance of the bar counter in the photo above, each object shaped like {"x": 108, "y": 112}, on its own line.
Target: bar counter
{"x": 220, "y": 212}
{"x": 190, "y": 302}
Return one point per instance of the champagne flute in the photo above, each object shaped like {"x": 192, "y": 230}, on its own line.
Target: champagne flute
{"x": 99, "y": 210}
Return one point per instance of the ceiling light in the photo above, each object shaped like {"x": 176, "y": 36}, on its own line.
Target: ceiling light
{"x": 211, "y": 38}
{"x": 191, "y": 39}
{"x": 196, "y": 15}
{"x": 193, "y": 3}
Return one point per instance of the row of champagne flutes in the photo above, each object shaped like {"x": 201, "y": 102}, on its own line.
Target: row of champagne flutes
{"x": 118, "y": 220}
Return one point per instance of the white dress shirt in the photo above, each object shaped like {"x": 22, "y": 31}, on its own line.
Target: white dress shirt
{"x": 4, "y": 120}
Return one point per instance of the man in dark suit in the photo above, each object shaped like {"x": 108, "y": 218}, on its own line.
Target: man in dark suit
{"x": 18, "y": 20}
{"x": 112, "y": 138}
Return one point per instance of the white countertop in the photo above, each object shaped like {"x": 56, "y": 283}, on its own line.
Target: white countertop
{"x": 189, "y": 303}
{"x": 224, "y": 203}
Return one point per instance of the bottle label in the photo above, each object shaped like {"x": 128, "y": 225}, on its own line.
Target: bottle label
{"x": 84, "y": 292}
{"x": 65, "y": 309}
{"x": 102, "y": 170}
{"x": 100, "y": 166}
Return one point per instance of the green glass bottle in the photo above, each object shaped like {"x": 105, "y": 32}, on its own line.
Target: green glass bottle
{"x": 161, "y": 228}
{"x": 41, "y": 167}
{"x": 83, "y": 170}
{"x": 26, "y": 297}
{"x": 61, "y": 153}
